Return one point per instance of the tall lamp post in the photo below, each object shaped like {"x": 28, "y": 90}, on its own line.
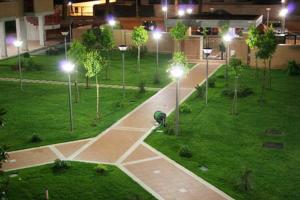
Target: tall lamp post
{"x": 165, "y": 11}
{"x": 177, "y": 72}
{"x": 123, "y": 48}
{"x": 156, "y": 36}
{"x": 283, "y": 12}
{"x": 18, "y": 44}
{"x": 68, "y": 67}
{"x": 227, "y": 38}
{"x": 268, "y": 15}
{"x": 207, "y": 52}
{"x": 65, "y": 34}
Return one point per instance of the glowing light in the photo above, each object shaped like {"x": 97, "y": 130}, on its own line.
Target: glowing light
{"x": 177, "y": 71}
{"x": 156, "y": 35}
{"x": 181, "y": 13}
{"x": 67, "y": 66}
{"x": 227, "y": 37}
{"x": 189, "y": 10}
{"x": 283, "y": 12}
{"x": 112, "y": 22}
{"x": 164, "y": 8}
{"x": 18, "y": 43}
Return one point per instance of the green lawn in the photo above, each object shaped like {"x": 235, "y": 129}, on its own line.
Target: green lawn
{"x": 228, "y": 144}
{"x": 51, "y": 71}
{"x": 43, "y": 110}
{"x": 79, "y": 182}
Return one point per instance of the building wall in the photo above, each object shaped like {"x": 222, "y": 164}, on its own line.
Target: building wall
{"x": 11, "y": 9}
{"x": 41, "y": 6}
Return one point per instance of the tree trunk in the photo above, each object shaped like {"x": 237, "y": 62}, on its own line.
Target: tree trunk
{"x": 87, "y": 82}
{"x": 235, "y": 97}
{"x": 263, "y": 82}
{"x": 270, "y": 77}
{"x": 139, "y": 59}
{"x": 256, "y": 67}
{"x": 97, "y": 103}
{"x": 77, "y": 87}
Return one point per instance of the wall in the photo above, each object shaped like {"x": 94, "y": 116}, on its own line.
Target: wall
{"x": 11, "y": 9}
{"x": 240, "y": 48}
{"x": 283, "y": 54}
{"x": 41, "y": 6}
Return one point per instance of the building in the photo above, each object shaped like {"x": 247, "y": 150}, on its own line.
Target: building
{"x": 31, "y": 19}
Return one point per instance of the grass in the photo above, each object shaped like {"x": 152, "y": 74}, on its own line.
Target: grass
{"x": 79, "y": 182}
{"x": 43, "y": 110}
{"x": 50, "y": 69}
{"x": 227, "y": 144}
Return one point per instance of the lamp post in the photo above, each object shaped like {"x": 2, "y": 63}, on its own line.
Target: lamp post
{"x": 165, "y": 11}
{"x": 68, "y": 68}
{"x": 268, "y": 15}
{"x": 283, "y": 12}
{"x": 227, "y": 38}
{"x": 123, "y": 48}
{"x": 177, "y": 72}
{"x": 18, "y": 44}
{"x": 65, "y": 34}
{"x": 156, "y": 36}
{"x": 207, "y": 52}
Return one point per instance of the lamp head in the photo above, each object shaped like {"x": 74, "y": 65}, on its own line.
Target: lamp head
{"x": 181, "y": 13}
{"x": 268, "y": 9}
{"x": 18, "y": 43}
{"x": 122, "y": 48}
{"x": 164, "y": 8}
{"x": 189, "y": 10}
{"x": 283, "y": 12}
{"x": 69, "y": 3}
{"x": 177, "y": 71}
{"x": 65, "y": 33}
{"x": 67, "y": 66}
{"x": 156, "y": 35}
{"x": 227, "y": 37}
{"x": 207, "y": 51}
{"x": 112, "y": 22}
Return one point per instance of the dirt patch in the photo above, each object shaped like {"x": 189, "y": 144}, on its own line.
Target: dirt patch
{"x": 273, "y": 145}
{"x": 273, "y": 131}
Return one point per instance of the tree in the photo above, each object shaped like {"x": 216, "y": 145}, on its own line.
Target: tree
{"x": 107, "y": 43}
{"x": 94, "y": 63}
{"x": 178, "y": 32}
{"x": 252, "y": 42}
{"x": 2, "y": 120}
{"x": 77, "y": 53}
{"x": 139, "y": 38}
{"x": 272, "y": 45}
{"x": 179, "y": 59}
{"x": 266, "y": 48}
{"x": 236, "y": 64}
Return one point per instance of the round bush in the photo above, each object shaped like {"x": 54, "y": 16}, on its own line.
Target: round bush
{"x": 101, "y": 169}
{"x": 185, "y": 151}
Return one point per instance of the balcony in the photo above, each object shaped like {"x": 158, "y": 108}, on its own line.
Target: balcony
{"x": 11, "y": 8}
{"x": 38, "y": 6}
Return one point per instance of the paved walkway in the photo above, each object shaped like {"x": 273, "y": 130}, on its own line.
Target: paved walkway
{"x": 80, "y": 84}
{"x": 122, "y": 145}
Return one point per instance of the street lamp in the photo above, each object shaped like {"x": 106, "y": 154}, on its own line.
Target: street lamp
{"x": 177, "y": 72}
{"x": 268, "y": 15}
{"x": 207, "y": 52}
{"x": 227, "y": 38}
{"x": 189, "y": 11}
{"x": 18, "y": 44}
{"x": 156, "y": 36}
{"x": 65, "y": 34}
{"x": 283, "y": 13}
{"x": 123, "y": 48}
{"x": 165, "y": 11}
{"x": 112, "y": 22}
{"x": 181, "y": 13}
{"x": 68, "y": 67}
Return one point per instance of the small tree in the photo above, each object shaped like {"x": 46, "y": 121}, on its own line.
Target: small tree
{"x": 94, "y": 63}
{"x": 178, "y": 33}
{"x": 236, "y": 64}
{"x": 252, "y": 41}
{"x": 179, "y": 59}
{"x": 77, "y": 53}
{"x": 2, "y": 120}
{"x": 139, "y": 38}
{"x": 107, "y": 43}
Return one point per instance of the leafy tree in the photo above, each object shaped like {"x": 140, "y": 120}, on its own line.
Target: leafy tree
{"x": 94, "y": 63}
{"x": 139, "y": 38}
{"x": 2, "y": 120}
{"x": 107, "y": 43}
{"x": 77, "y": 53}
{"x": 3, "y": 154}
{"x": 178, "y": 32}
{"x": 252, "y": 41}
{"x": 179, "y": 59}
{"x": 89, "y": 39}
{"x": 236, "y": 64}
{"x": 266, "y": 48}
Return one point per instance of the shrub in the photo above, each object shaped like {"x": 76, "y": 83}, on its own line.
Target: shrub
{"x": 101, "y": 169}
{"x": 26, "y": 55}
{"x": 61, "y": 165}
{"x": 4, "y": 182}
{"x": 185, "y": 108}
{"x": 244, "y": 183}
{"x": 35, "y": 138}
{"x": 242, "y": 92}
{"x": 3, "y": 154}
{"x": 142, "y": 87}
{"x": 185, "y": 151}
{"x": 200, "y": 91}
{"x": 156, "y": 79}
{"x": 212, "y": 82}
{"x": 30, "y": 65}
{"x": 293, "y": 69}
